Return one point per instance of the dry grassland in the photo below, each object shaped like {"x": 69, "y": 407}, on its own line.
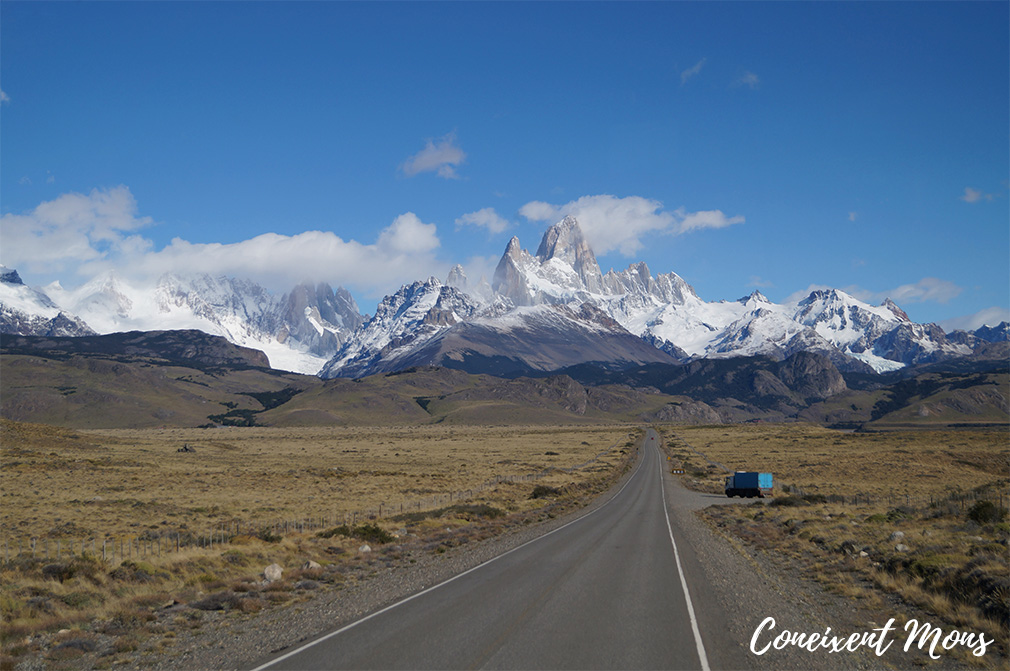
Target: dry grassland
{"x": 80, "y": 611}
{"x": 824, "y": 461}
{"x": 92, "y": 484}
{"x": 918, "y": 517}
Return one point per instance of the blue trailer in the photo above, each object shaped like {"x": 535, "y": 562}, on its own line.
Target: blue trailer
{"x": 749, "y": 484}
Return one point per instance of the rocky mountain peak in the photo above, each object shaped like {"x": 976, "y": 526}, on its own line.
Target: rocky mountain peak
{"x": 754, "y": 297}
{"x": 457, "y": 278}
{"x": 565, "y": 242}
{"x": 513, "y": 249}
{"x": 510, "y": 277}
{"x": 642, "y": 269}
{"x": 893, "y": 307}
{"x": 9, "y": 276}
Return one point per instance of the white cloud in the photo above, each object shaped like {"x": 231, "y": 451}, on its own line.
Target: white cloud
{"x": 610, "y": 223}
{"x": 974, "y": 195}
{"x": 756, "y": 281}
{"x": 538, "y": 210}
{"x": 71, "y": 229}
{"x": 803, "y": 293}
{"x": 748, "y": 79}
{"x": 84, "y": 235}
{"x": 477, "y": 267}
{"x": 441, "y": 157}
{"x": 691, "y": 71}
{"x": 408, "y": 235}
{"x": 691, "y": 221}
{"x": 926, "y": 290}
{"x": 988, "y": 317}
{"x": 853, "y": 216}
{"x": 485, "y": 218}
{"x": 403, "y": 252}
{"x": 4, "y": 98}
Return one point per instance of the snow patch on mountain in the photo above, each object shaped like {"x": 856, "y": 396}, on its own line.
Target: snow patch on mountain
{"x": 28, "y": 311}
{"x": 666, "y": 310}
{"x": 299, "y": 331}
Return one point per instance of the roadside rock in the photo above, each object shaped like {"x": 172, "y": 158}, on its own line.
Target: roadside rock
{"x": 309, "y": 565}
{"x": 365, "y": 548}
{"x": 273, "y": 572}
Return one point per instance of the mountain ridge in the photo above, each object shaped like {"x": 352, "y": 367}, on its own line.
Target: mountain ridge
{"x": 559, "y": 290}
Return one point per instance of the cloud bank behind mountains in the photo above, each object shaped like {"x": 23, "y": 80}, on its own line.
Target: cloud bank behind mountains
{"x": 620, "y": 224}
{"x": 82, "y": 235}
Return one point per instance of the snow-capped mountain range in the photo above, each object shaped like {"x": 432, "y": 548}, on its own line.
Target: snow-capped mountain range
{"x": 298, "y": 331}
{"x": 541, "y": 312}
{"x": 564, "y": 278}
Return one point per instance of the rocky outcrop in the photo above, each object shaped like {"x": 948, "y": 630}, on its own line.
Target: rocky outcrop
{"x": 685, "y": 412}
{"x": 812, "y": 376}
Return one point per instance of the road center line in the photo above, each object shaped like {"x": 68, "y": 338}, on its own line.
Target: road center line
{"x": 683, "y": 580}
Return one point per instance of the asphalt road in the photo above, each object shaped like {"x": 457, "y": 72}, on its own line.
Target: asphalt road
{"x": 611, "y": 590}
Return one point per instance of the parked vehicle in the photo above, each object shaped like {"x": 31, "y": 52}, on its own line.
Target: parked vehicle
{"x": 749, "y": 484}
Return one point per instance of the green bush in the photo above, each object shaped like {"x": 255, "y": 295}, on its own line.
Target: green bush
{"x": 268, "y": 536}
{"x": 81, "y": 600}
{"x": 342, "y": 530}
{"x": 468, "y": 511}
{"x": 985, "y": 512}
{"x": 543, "y": 491}
{"x": 137, "y": 571}
{"x": 370, "y": 533}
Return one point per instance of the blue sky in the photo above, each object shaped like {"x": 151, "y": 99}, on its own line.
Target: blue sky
{"x": 771, "y": 146}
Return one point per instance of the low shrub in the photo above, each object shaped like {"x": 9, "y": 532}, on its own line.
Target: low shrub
{"x": 268, "y": 536}
{"x": 251, "y": 604}
{"x": 235, "y": 557}
{"x": 217, "y": 601}
{"x": 137, "y": 572}
{"x": 60, "y": 571}
{"x": 543, "y": 491}
{"x": 468, "y": 511}
{"x": 342, "y": 530}
{"x": 986, "y": 512}
{"x": 81, "y": 600}
{"x": 370, "y": 533}
{"x": 791, "y": 501}
{"x": 75, "y": 647}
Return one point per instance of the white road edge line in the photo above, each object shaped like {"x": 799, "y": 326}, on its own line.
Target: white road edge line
{"x": 471, "y": 570}
{"x": 683, "y": 580}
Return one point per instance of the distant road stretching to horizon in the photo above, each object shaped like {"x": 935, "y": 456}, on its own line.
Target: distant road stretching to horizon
{"x": 608, "y": 590}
